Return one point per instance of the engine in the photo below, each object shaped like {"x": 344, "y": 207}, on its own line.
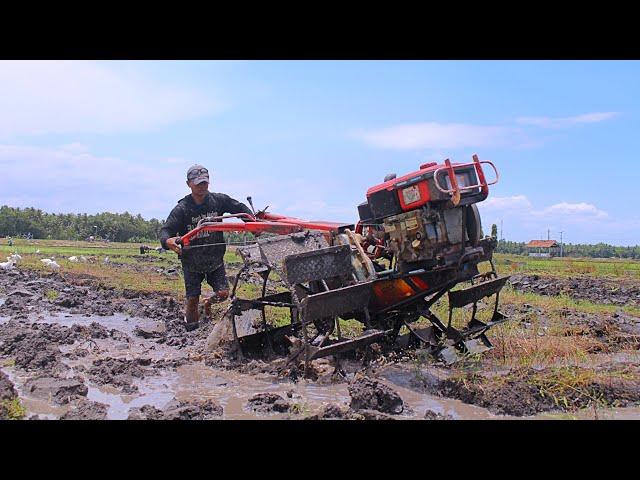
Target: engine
{"x": 427, "y": 219}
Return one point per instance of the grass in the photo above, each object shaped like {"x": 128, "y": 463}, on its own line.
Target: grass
{"x": 52, "y": 294}
{"x": 510, "y": 264}
{"x": 15, "y": 410}
{"x": 539, "y": 336}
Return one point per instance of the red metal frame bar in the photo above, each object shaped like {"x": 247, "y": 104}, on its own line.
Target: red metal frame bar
{"x": 480, "y": 172}
{"x": 262, "y": 223}
{"x": 454, "y": 181}
{"x": 451, "y": 173}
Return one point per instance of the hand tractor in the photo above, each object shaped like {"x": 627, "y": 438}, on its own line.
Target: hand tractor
{"x": 418, "y": 237}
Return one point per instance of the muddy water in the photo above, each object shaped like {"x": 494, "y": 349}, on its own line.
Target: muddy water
{"x": 400, "y": 379}
{"x": 33, "y": 406}
{"x": 118, "y": 321}
{"x": 196, "y": 381}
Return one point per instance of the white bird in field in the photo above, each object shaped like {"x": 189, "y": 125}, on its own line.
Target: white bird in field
{"x": 37, "y": 250}
{"x": 8, "y": 265}
{"x": 50, "y": 263}
{"x": 15, "y": 256}
{"x": 73, "y": 259}
{"x": 106, "y": 260}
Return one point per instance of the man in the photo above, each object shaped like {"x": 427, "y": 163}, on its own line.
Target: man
{"x": 200, "y": 203}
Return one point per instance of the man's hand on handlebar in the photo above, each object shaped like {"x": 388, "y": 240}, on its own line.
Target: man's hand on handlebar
{"x": 171, "y": 243}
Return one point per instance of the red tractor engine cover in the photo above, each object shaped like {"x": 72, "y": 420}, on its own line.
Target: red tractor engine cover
{"x": 436, "y": 183}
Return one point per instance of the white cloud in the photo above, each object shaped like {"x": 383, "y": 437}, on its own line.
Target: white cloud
{"x": 446, "y": 136}
{"x": 581, "y": 222}
{"x": 74, "y": 180}
{"x": 564, "y": 122}
{"x": 64, "y": 180}
{"x": 45, "y": 97}
{"x": 521, "y": 205}
{"x": 516, "y": 202}
{"x": 437, "y": 136}
{"x": 582, "y": 210}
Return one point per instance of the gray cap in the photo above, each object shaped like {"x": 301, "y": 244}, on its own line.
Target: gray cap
{"x": 197, "y": 174}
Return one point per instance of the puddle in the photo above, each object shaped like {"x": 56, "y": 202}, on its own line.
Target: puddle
{"x": 33, "y": 406}
{"x": 400, "y": 380}
{"x": 119, "y": 404}
{"x": 196, "y": 381}
{"x": 232, "y": 390}
{"x": 119, "y": 321}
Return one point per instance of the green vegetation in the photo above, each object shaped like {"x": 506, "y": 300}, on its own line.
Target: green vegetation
{"x": 599, "y": 250}
{"x": 114, "y": 227}
{"x": 51, "y": 294}
{"x": 118, "y": 227}
{"x": 510, "y": 264}
{"x": 13, "y": 408}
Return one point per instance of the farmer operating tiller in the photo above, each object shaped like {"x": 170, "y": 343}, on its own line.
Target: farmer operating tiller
{"x": 201, "y": 204}
{"x": 418, "y": 237}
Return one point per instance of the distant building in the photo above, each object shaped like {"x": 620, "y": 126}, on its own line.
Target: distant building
{"x": 543, "y": 248}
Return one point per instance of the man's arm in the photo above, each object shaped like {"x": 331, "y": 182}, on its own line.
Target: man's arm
{"x": 171, "y": 228}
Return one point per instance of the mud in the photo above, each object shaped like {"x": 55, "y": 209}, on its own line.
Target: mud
{"x": 528, "y": 392}
{"x": 340, "y": 412}
{"x": 59, "y": 390}
{"x": 73, "y": 349}
{"x": 609, "y": 332}
{"x": 118, "y": 372}
{"x": 268, "y": 403}
{"x": 32, "y": 350}
{"x": 7, "y": 394}
{"x": 146, "y": 412}
{"x": 431, "y": 415}
{"x": 175, "y": 410}
{"x": 86, "y": 410}
{"x": 597, "y": 290}
{"x": 193, "y": 410}
{"x": 54, "y": 293}
{"x": 370, "y": 394}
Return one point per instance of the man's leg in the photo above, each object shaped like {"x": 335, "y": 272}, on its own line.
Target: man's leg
{"x": 191, "y": 313}
{"x": 193, "y": 286}
{"x": 218, "y": 281}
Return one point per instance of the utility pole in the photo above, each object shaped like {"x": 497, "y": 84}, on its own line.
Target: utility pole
{"x": 548, "y": 234}
{"x": 561, "y": 244}
{"x": 501, "y": 232}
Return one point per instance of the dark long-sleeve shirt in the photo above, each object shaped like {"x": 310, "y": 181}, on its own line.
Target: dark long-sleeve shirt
{"x": 185, "y": 216}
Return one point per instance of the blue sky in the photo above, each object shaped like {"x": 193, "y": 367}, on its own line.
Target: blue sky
{"x": 309, "y": 138}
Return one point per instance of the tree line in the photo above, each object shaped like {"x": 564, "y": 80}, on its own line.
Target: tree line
{"x": 599, "y": 250}
{"x": 115, "y": 227}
